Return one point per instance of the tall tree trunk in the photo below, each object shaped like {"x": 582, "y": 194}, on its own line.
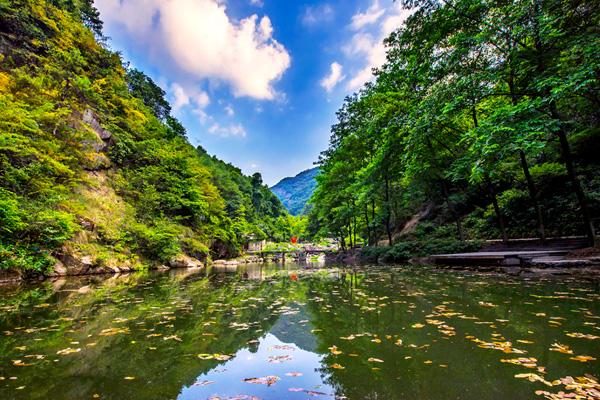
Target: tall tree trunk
{"x": 388, "y": 217}
{"x": 492, "y": 192}
{"x": 375, "y": 236}
{"x": 499, "y": 215}
{"x": 579, "y": 193}
{"x": 530, "y": 184}
{"x": 461, "y": 235}
{"x": 562, "y": 134}
{"x": 533, "y": 196}
{"x": 342, "y": 240}
{"x": 350, "y": 232}
{"x": 367, "y": 223}
{"x": 354, "y": 229}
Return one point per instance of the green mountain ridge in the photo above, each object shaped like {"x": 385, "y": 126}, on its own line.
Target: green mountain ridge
{"x": 95, "y": 172}
{"x": 294, "y": 192}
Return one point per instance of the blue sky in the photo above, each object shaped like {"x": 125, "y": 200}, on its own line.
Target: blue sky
{"x": 255, "y": 82}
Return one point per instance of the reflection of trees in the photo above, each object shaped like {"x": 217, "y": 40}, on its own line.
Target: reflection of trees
{"x": 472, "y": 372}
{"x": 215, "y": 314}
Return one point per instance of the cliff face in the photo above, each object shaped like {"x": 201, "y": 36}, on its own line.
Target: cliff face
{"x": 95, "y": 174}
{"x": 294, "y": 192}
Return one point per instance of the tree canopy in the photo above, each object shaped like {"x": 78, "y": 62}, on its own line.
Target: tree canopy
{"x": 476, "y": 126}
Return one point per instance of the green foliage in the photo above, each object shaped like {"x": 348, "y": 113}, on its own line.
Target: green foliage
{"x": 483, "y": 122}
{"x": 92, "y": 160}
{"x": 144, "y": 88}
{"x": 158, "y": 242}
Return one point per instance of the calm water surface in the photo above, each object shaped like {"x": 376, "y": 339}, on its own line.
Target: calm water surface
{"x": 269, "y": 332}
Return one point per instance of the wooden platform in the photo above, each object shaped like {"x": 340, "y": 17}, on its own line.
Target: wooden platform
{"x": 508, "y": 258}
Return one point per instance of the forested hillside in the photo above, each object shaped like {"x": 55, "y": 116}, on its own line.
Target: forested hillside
{"x": 93, "y": 166}
{"x": 483, "y": 123}
{"x": 294, "y": 192}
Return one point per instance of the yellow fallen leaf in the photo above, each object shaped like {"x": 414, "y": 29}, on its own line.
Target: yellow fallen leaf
{"x": 583, "y": 358}
{"x": 68, "y": 350}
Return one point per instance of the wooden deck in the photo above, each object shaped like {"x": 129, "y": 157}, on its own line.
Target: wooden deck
{"x": 507, "y": 258}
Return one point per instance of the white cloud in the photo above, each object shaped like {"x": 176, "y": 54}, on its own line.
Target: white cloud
{"x": 316, "y": 15}
{"x": 202, "y": 99}
{"x": 373, "y": 13}
{"x": 366, "y": 45}
{"x": 202, "y": 115}
{"x": 236, "y": 130}
{"x": 257, "y": 3}
{"x": 335, "y": 76}
{"x": 196, "y": 40}
{"x": 229, "y": 110}
{"x": 181, "y": 98}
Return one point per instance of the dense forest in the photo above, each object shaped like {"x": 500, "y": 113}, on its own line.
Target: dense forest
{"x": 93, "y": 165}
{"x": 483, "y": 123}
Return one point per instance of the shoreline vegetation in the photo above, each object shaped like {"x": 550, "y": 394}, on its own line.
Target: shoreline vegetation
{"x": 482, "y": 124}
{"x": 95, "y": 172}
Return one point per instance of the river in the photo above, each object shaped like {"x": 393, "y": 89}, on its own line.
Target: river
{"x": 272, "y": 332}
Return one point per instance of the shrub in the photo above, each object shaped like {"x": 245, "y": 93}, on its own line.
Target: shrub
{"x": 158, "y": 242}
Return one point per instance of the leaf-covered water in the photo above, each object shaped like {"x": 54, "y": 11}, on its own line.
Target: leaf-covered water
{"x": 292, "y": 333}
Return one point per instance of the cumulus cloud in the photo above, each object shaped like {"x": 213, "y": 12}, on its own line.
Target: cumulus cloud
{"x": 180, "y": 97}
{"x": 314, "y": 15}
{"x": 236, "y": 130}
{"x": 197, "y": 99}
{"x": 366, "y": 45}
{"x": 335, "y": 76}
{"x": 229, "y": 110}
{"x": 196, "y": 40}
{"x": 373, "y": 13}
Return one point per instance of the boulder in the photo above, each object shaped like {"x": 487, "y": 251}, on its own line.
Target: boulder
{"x": 76, "y": 264}
{"x": 184, "y": 261}
{"x": 59, "y": 269}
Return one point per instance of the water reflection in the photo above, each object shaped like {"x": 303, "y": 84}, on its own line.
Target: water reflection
{"x": 274, "y": 332}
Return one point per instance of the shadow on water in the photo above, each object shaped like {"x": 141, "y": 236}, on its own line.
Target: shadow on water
{"x": 295, "y": 331}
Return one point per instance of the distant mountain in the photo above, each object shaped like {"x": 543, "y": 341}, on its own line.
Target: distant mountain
{"x": 294, "y": 192}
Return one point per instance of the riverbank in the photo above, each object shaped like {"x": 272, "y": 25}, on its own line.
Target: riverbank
{"x": 580, "y": 262}
{"x": 73, "y": 265}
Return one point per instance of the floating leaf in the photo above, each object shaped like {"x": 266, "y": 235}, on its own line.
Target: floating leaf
{"x": 582, "y": 336}
{"x": 583, "y": 358}
{"x": 561, "y": 348}
{"x": 267, "y": 380}
{"x": 68, "y": 350}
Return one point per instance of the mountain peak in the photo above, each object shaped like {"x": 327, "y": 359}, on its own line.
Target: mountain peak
{"x": 294, "y": 192}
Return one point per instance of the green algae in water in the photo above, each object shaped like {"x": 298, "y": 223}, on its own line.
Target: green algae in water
{"x": 268, "y": 332}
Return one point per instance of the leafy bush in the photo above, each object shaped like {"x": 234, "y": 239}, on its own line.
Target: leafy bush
{"x": 159, "y": 242}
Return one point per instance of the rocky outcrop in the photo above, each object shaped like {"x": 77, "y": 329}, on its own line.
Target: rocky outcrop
{"x": 103, "y": 135}
{"x": 184, "y": 261}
